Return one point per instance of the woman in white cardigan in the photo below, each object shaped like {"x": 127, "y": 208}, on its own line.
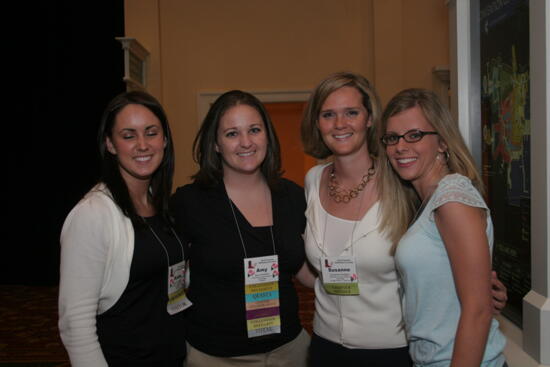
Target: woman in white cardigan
{"x": 121, "y": 287}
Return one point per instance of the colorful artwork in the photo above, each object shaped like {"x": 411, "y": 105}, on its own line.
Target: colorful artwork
{"x": 504, "y": 51}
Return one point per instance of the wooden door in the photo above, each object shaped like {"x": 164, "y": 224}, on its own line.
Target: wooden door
{"x": 286, "y": 117}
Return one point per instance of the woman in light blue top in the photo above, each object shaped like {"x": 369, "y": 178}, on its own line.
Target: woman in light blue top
{"x": 444, "y": 255}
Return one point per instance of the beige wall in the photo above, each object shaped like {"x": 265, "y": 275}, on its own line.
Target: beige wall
{"x": 274, "y": 45}
{"x": 410, "y": 38}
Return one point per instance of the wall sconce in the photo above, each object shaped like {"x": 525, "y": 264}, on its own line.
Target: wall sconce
{"x": 442, "y": 83}
{"x": 442, "y": 73}
{"x": 135, "y": 63}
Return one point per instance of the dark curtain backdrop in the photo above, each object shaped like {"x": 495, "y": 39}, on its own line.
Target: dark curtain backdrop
{"x": 74, "y": 67}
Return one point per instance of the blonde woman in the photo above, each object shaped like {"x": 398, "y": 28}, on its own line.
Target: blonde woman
{"x": 358, "y": 318}
{"x": 444, "y": 253}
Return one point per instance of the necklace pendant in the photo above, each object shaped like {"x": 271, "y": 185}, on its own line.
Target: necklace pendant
{"x": 339, "y": 194}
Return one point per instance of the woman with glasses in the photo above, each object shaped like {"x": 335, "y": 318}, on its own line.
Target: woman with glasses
{"x": 358, "y": 318}
{"x": 444, "y": 252}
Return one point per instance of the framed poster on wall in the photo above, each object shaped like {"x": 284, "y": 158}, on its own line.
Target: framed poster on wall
{"x": 500, "y": 94}
{"x": 506, "y": 134}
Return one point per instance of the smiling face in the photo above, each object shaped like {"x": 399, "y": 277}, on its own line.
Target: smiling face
{"x": 343, "y": 122}
{"x": 421, "y": 162}
{"x": 241, "y": 140}
{"x": 137, "y": 140}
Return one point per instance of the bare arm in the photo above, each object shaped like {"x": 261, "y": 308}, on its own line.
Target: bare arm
{"x": 462, "y": 229}
{"x": 306, "y": 275}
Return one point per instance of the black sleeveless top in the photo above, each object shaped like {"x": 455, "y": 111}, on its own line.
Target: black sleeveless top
{"x": 137, "y": 330}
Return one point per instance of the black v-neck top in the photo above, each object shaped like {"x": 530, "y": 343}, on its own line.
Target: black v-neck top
{"x": 137, "y": 330}
{"x": 216, "y": 323}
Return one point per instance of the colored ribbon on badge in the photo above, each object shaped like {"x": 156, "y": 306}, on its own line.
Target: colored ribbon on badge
{"x": 340, "y": 275}
{"x": 262, "y": 295}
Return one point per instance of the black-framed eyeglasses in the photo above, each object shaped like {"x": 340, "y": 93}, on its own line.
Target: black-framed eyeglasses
{"x": 411, "y": 136}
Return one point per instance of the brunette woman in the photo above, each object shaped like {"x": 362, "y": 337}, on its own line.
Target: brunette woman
{"x": 245, "y": 224}
{"x": 121, "y": 291}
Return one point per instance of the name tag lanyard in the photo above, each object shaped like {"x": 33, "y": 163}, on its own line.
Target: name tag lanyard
{"x": 261, "y": 275}
{"x": 177, "y": 299}
{"x": 240, "y": 234}
{"x": 339, "y": 273}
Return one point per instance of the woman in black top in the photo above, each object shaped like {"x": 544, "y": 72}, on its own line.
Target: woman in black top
{"x": 121, "y": 262}
{"x": 239, "y": 212}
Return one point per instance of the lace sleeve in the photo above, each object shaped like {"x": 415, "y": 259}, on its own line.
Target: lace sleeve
{"x": 457, "y": 188}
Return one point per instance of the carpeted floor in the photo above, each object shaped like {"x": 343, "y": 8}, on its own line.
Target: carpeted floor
{"x": 28, "y": 325}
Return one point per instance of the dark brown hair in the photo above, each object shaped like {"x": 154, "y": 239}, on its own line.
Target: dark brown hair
{"x": 210, "y": 171}
{"x": 161, "y": 180}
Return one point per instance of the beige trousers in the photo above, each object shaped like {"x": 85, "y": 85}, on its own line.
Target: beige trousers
{"x": 291, "y": 354}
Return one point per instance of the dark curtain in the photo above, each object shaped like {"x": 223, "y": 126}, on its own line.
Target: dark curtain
{"x": 73, "y": 67}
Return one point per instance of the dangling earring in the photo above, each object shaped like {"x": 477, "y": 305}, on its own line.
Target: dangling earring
{"x": 446, "y": 154}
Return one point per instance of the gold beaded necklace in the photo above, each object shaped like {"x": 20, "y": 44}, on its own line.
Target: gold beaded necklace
{"x": 341, "y": 195}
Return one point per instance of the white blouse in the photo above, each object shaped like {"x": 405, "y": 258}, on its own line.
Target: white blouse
{"x": 372, "y": 319}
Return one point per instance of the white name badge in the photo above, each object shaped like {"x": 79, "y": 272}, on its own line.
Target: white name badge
{"x": 261, "y": 278}
{"x": 340, "y": 275}
{"x": 177, "y": 299}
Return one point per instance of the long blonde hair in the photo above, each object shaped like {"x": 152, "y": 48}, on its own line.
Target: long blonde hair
{"x": 398, "y": 214}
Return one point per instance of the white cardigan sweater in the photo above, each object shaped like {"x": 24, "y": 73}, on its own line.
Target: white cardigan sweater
{"x": 97, "y": 245}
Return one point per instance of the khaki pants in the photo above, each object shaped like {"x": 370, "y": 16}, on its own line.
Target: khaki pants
{"x": 291, "y": 354}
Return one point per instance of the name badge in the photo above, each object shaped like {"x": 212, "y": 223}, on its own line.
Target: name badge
{"x": 177, "y": 299}
{"x": 340, "y": 275}
{"x": 261, "y": 278}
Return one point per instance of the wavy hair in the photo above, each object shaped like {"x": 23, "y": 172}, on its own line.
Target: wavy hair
{"x": 210, "y": 171}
